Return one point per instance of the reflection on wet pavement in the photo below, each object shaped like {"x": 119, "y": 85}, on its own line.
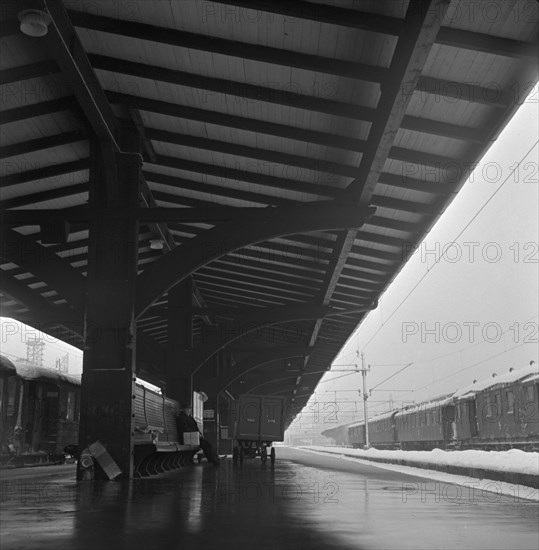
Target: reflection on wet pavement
{"x": 305, "y": 501}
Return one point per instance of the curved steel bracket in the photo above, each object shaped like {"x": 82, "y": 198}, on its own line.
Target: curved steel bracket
{"x": 243, "y": 231}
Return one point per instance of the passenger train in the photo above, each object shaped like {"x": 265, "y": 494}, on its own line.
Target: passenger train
{"x": 495, "y": 414}
{"x": 40, "y": 411}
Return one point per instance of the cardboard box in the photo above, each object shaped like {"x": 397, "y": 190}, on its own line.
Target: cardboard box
{"x": 191, "y": 438}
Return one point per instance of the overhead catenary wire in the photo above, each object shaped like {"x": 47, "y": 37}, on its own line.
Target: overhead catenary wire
{"x": 393, "y": 375}
{"x": 481, "y": 208}
{"x": 429, "y": 270}
{"x": 461, "y": 370}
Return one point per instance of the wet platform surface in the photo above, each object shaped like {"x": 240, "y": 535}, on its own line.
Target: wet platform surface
{"x": 304, "y": 501}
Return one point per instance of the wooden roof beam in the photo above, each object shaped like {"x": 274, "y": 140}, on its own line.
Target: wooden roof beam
{"x": 145, "y": 215}
{"x": 322, "y": 13}
{"x": 78, "y": 72}
{"x": 233, "y": 149}
{"x": 27, "y": 72}
{"x": 423, "y": 21}
{"x": 42, "y": 196}
{"x": 38, "y": 109}
{"x": 39, "y": 144}
{"x": 413, "y": 184}
{"x": 385, "y": 25}
{"x": 223, "y": 87}
{"x": 248, "y": 176}
{"x": 362, "y": 21}
{"x": 341, "y": 250}
{"x": 85, "y": 86}
{"x": 491, "y": 96}
{"x": 221, "y": 270}
{"x": 182, "y": 185}
{"x": 40, "y": 308}
{"x": 242, "y": 50}
{"x": 44, "y": 172}
{"x": 487, "y": 43}
{"x": 56, "y": 272}
{"x": 411, "y": 53}
{"x": 238, "y": 122}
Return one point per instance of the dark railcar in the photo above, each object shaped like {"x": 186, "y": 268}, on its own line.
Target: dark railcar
{"x": 259, "y": 421}
{"x": 382, "y": 432}
{"x": 356, "y": 435}
{"x": 8, "y": 383}
{"x": 500, "y": 413}
{"x": 40, "y": 416}
{"x": 427, "y": 425}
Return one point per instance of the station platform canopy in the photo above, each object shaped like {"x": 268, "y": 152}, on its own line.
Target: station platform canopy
{"x": 287, "y": 156}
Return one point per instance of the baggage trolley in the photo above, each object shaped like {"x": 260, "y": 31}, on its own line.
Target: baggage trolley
{"x": 258, "y": 423}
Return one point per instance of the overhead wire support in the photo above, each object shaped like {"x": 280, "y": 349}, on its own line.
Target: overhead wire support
{"x": 365, "y": 397}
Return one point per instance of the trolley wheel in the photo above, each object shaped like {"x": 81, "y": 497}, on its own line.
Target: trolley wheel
{"x": 264, "y": 454}
{"x": 272, "y": 455}
{"x": 242, "y": 455}
{"x": 235, "y": 455}
{"x": 199, "y": 458}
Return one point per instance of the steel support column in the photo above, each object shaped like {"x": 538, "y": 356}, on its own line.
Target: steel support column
{"x": 180, "y": 341}
{"x": 107, "y": 403}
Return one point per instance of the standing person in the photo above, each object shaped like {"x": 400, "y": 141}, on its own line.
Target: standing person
{"x": 186, "y": 423}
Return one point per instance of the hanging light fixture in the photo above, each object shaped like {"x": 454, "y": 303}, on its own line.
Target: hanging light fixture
{"x": 156, "y": 244}
{"x": 34, "y": 22}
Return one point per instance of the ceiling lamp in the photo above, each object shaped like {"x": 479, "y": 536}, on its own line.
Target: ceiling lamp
{"x": 34, "y": 22}
{"x": 156, "y": 244}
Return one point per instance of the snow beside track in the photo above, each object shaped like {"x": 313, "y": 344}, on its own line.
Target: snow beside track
{"x": 514, "y": 460}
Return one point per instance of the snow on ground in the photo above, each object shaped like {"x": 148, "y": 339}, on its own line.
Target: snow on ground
{"x": 514, "y": 460}
{"x": 473, "y": 488}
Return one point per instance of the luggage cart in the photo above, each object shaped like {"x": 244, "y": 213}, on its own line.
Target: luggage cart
{"x": 258, "y": 423}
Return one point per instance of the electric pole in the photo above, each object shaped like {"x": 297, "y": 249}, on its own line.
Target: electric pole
{"x": 365, "y": 397}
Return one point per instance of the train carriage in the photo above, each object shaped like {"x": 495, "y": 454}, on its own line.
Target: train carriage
{"x": 426, "y": 425}
{"x": 381, "y": 431}
{"x": 498, "y": 413}
{"x": 356, "y": 434}
{"x": 40, "y": 415}
{"x": 501, "y": 412}
{"x": 8, "y": 380}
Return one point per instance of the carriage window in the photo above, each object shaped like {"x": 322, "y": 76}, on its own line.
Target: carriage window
{"x": 528, "y": 392}
{"x": 70, "y": 412}
{"x": 510, "y": 402}
{"x": 488, "y": 408}
{"x": 498, "y": 401}
{"x": 12, "y": 391}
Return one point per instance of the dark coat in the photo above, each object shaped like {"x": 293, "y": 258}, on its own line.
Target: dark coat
{"x": 186, "y": 423}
